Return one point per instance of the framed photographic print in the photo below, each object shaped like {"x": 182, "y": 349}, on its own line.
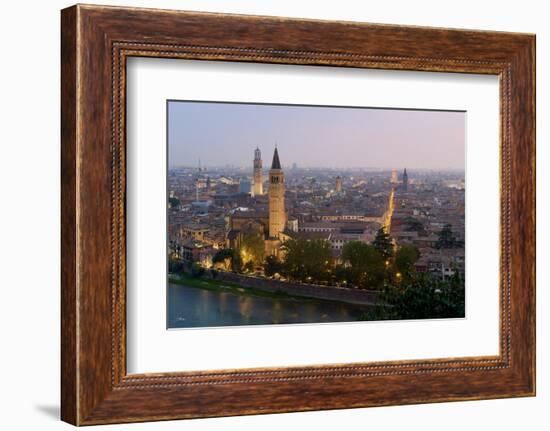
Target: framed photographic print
{"x": 265, "y": 215}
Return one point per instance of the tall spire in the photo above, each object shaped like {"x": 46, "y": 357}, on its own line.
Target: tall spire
{"x": 276, "y": 164}
{"x": 277, "y": 214}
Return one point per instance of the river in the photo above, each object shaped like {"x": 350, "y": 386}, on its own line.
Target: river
{"x": 192, "y": 307}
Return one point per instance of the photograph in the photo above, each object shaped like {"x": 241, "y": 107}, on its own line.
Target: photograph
{"x": 289, "y": 214}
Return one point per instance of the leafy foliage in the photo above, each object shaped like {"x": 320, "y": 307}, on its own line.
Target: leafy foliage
{"x": 366, "y": 265}
{"x": 252, "y": 248}
{"x": 248, "y": 266}
{"x": 413, "y": 224}
{"x": 196, "y": 270}
{"x": 272, "y": 266}
{"x": 174, "y": 202}
{"x": 308, "y": 260}
{"x": 421, "y": 296}
{"x": 382, "y": 242}
{"x": 229, "y": 258}
{"x": 175, "y": 265}
{"x": 405, "y": 258}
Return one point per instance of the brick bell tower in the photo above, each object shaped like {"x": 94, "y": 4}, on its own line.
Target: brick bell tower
{"x": 277, "y": 214}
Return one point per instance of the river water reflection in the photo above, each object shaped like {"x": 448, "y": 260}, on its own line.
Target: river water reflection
{"x": 191, "y": 307}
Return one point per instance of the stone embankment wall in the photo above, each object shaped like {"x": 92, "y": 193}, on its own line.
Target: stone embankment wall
{"x": 356, "y": 296}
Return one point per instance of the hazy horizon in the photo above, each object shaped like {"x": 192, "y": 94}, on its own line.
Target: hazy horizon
{"x": 221, "y": 134}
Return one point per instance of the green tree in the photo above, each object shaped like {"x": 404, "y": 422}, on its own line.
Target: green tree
{"x": 342, "y": 274}
{"x": 236, "y": 262}
{"x": 248, "y": 266}
{"x": 223, "y": 257}
{"x": 272, "y": 266}
{"x": 421, "y": 297}
{"x": 382, "y": 242}
{"x": 366, "y": 265}
{"x": 252, "y": 249}
{"x": 405, "y": 258}
{"x": 308, "y": 260}
{"x": 174, "y": 202}
{"x": 413, "y": 224}
{"x": 196, "y": 270}
{"x": 229, "y": 258}
{"x": 175, "y": 265}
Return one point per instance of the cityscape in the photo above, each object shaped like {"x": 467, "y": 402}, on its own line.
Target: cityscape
{"x": 279, "y": 241}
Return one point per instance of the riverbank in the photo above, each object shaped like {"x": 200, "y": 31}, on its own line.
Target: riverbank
{"x": 260, "y": 286}
{"x": 226, "y": 286}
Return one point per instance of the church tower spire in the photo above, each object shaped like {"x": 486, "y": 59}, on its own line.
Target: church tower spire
{"x": 276, "y": 164}
{"x": 277, "y": 214}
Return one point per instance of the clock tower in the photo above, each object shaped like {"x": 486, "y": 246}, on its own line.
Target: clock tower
{"x": 258, "y": 188}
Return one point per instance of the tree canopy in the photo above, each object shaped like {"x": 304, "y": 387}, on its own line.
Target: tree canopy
{"x": 366, "y": 265}
{"x": 272, "y": 266}
{"x": 421, "y": 297}
{"x": 413, "y": 224}
{"x": 405, "y": 258}
{"x": 252, "y": 249}
{"x": 307, "y": 260}
{"x": 382, "y": 242}
{"x": 229, "y": 258}
{"x": 174, "y": 202}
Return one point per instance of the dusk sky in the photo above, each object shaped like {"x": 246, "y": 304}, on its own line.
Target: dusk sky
{"x": 227, "y": 133}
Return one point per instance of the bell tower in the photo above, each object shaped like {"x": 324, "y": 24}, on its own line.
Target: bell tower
{"x": 277, "y": 214}
{"x": 258, "y": 188}
{"x": 338, "y": 186}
